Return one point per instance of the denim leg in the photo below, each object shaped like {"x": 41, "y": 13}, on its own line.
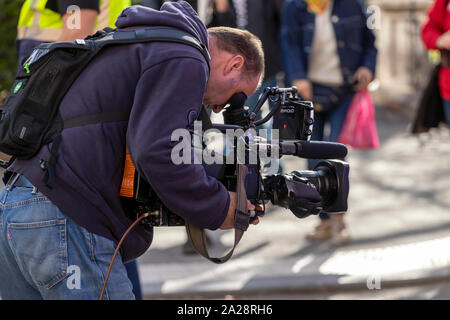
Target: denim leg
{"x": 447, "y": 111}
{"x": 46, "y": 255}
{"x": 317, "y": 135}
{"x": 34, "y": 244}
{"x": 133, "y": 274}
{"x": 336, "y": 120}
{"x": 89, "y": 256}
{"x": 13, "y": 285}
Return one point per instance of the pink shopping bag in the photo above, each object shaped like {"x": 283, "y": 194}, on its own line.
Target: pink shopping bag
{"x": 359, "y": 130}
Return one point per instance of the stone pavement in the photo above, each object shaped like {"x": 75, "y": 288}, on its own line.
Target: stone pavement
{"x": 399, "y": 219}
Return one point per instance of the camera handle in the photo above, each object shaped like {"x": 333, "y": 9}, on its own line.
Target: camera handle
{"x": 197, "y": 236}
{"x": 283, "y": 94}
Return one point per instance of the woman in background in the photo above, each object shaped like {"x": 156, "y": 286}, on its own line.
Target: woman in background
{"x": 328, "y": 52}
{"x": 436, "y": 36}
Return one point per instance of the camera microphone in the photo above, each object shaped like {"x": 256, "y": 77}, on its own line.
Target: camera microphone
{"x": 314, "y": 149}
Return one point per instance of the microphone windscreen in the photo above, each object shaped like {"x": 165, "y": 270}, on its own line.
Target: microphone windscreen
{"x": 321, "y": 150}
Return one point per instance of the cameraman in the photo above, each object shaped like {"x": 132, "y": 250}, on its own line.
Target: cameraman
{"x": 72, "y": 228}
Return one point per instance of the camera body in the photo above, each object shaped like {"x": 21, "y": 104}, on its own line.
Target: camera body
{"x": 305, "y": 192}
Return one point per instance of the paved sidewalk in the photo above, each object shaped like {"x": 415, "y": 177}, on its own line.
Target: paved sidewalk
{"x": 399, "y": 219}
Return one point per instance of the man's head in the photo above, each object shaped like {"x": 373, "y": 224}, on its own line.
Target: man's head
{"x": 237, "y": 65}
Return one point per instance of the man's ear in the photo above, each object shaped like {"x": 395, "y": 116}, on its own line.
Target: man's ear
{"x": 236, "y": 63}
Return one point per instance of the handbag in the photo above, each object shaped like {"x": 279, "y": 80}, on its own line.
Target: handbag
{"x": 359, "y": 130}
{"x": 431, "y": 107}
{"x": 327, "y": 98}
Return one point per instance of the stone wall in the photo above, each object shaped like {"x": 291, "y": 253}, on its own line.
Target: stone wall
{"x": 403, "y": 63}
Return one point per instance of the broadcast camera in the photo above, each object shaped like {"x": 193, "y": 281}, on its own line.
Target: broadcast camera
{"x": 305, "y": 192}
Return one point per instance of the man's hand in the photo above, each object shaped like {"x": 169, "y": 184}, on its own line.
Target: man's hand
{"x": 363, "y": 76}
{"x": 229, "y": 220}
{"x": 443, "y": 42}
{"x": 304, "y": 87}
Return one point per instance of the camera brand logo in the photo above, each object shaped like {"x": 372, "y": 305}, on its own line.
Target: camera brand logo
{"x": 74, "y": 280}
{"x": 251, "y": 147}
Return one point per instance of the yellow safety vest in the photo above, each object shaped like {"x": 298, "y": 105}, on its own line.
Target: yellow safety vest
{"x": 39, "y": 23}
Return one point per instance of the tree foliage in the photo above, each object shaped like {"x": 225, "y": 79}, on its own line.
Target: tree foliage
{"x": 9, "y": 14}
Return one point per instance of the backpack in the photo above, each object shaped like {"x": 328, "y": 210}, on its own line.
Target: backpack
{"x": 29, "y": 116}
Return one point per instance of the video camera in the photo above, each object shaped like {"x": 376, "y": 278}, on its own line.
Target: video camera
{"x": 305, "y": 192}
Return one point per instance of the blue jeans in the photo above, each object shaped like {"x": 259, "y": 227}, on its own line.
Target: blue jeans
{"x": 46, "y": 255}
{"x": 447, "y": 111}
{"x": 336, "y": 120}
{"x": 133, "y": 274}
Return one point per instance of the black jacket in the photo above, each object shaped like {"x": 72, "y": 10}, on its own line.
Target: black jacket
{"x": 263, "y": 19}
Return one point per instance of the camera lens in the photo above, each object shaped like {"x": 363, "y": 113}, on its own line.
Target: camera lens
{"x": 324, "y": 179}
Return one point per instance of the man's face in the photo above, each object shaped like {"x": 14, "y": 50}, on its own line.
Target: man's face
{"x": 226, "y": 78}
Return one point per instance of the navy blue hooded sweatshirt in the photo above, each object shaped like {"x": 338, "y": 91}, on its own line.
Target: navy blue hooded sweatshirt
{"x": 162, "y": 85}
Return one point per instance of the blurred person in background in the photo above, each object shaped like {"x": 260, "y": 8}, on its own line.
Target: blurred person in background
{"x": 154, "y": 4}
{"x": 263, "y": 18}
{"x": 436, "y": 36}
{"x": 59, "y": 20}
{"x": 216, "y": 13}
{"x": 213, "y": 13}
{"x": 68, "y": 20}
{"x": 328, "y": 53}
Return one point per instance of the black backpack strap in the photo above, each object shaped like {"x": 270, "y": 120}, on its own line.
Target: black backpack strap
{"x": 103, "y": 117}
{"x": 110, "y": 36}
{"x": 49, "y": 166}
{"x": 155, "y": 34}
{"x": 95, "y": 43}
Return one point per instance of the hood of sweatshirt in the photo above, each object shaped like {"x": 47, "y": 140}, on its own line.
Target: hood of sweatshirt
{"x": 178, "y": 15}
